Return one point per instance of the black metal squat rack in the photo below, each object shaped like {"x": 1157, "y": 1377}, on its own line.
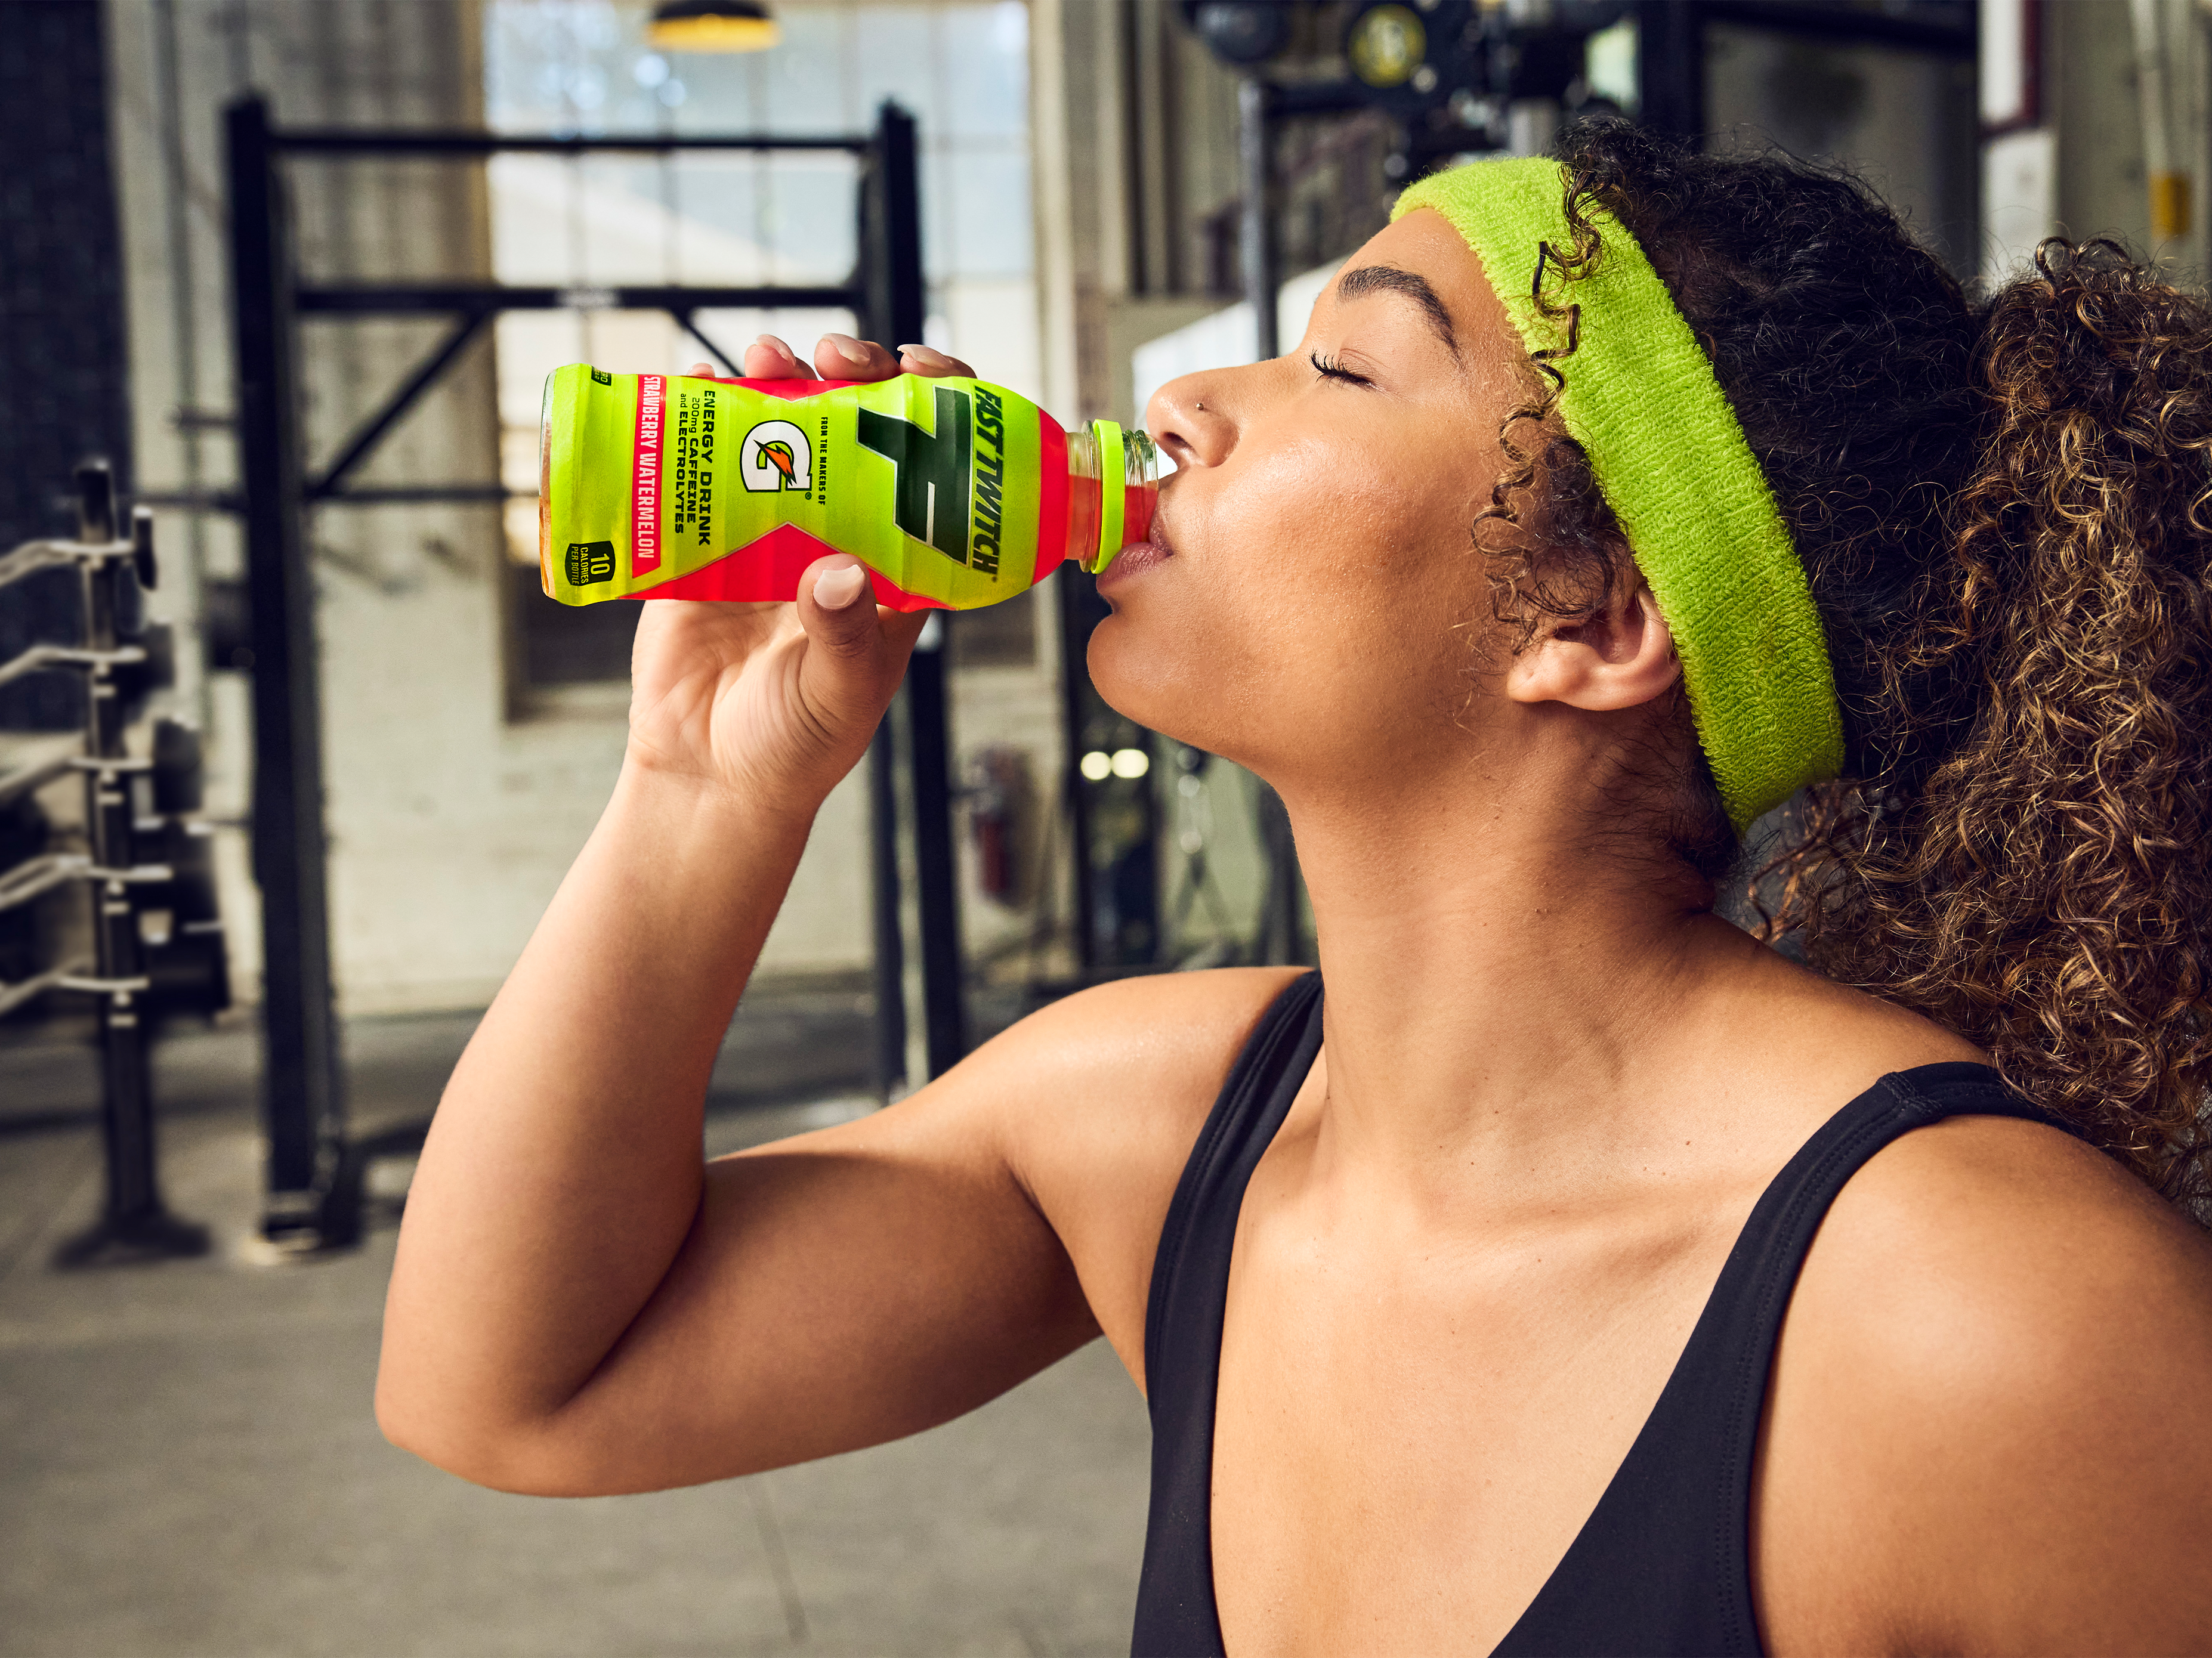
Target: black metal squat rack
{"x": 313, "y": 1170}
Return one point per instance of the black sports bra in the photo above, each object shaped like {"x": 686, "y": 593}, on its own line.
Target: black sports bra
{"x": 1662, "y": 1565}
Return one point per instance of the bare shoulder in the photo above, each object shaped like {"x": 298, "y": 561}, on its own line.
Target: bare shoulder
{"x": 1986, "y": 1423}
{"x": 1099, "y": 1098}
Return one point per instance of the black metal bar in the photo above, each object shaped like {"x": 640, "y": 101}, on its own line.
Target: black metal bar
{"x": 891, "y": 246}
{"x": 943, "y": 990}
{"x": 409, "y": 299}
{"x": 1951, "y": 32}
{"x": 1256, "y": 238}
{"x": 371, "y": 432}
{"x": 1670, "y": 67}
{"x": 889, "y": 964}
{"x": 690, "y": 324}
{"x": 937, "y": 897}
{"x": 424, "y": 495}
{"x": 1279, "y": 938}
{"x": 302, "y": 1080}
{"x": 427, "y": 142}
{"x": 1318, "y": 98}
{"x": 380, "y": 494}
{"x": 1069, "y": 588}
{"x": 889, "y": 967}
{"x": 896, "y": 307}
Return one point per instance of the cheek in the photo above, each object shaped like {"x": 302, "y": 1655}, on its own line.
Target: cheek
{"x": 1312, "y": 608}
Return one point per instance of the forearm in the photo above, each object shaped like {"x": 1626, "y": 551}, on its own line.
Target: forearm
{"x": 563, "y": 1167}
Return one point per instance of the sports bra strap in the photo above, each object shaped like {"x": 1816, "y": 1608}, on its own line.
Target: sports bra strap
{"x": 1184, "y": 1320}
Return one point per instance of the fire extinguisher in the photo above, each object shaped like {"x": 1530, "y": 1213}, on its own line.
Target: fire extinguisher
{"x": 994, "y": 799}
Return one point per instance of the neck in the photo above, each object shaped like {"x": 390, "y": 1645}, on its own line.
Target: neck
{"x": 1500, "y": 992}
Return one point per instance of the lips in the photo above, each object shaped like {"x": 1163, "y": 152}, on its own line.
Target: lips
{"x": 1137, "y": 557}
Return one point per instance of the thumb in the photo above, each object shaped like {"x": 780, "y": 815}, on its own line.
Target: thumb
{"x": 855, "y": 652}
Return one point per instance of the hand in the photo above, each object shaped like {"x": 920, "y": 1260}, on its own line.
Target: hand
{"x": 775, "y": 703}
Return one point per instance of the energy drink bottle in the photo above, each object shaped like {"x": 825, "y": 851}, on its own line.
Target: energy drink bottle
{"x": 954, "y": 493}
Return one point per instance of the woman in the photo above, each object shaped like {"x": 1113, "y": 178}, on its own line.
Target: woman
{"x": 1582, "y": 1275}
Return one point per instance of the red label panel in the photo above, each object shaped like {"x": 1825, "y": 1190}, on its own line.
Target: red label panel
{"x": 645, "y": 479}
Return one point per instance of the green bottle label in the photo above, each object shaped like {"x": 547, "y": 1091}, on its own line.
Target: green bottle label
{"x": 664, "y": 486}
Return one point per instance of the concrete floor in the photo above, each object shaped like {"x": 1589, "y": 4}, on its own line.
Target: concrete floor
{"x": 188, "y": 1464}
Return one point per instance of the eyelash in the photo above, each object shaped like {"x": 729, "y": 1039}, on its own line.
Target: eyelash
{"x": 1330, "y": 369}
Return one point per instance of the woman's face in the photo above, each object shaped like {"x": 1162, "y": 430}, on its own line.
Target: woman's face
{"x": 1305, "y": 605}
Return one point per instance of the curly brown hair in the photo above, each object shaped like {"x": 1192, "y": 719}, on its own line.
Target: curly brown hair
{"x": 2005, "y": 514}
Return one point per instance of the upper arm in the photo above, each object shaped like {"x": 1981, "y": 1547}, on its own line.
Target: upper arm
{"x": 872, "y": 1279}
{"x": 1987, "y": 1425}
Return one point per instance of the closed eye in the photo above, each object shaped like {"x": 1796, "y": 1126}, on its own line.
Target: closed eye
{"x": 1330, "y": 369}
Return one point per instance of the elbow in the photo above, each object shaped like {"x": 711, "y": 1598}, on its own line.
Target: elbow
{"x": 499, "y": 1459}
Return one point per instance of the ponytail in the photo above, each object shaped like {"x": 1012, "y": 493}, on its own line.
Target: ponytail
{"x": 2029, "y": 861}
{"x": 2005, "y": 514}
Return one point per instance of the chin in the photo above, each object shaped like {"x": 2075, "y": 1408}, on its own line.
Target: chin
{"x": 1151, "y": 672}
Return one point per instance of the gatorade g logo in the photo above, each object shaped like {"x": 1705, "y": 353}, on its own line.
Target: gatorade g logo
{"x": 590, "y": 561}
{"x": 930, "y": 502}
{"x": 777, "y": 456}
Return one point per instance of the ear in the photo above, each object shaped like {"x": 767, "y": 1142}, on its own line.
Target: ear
{"x": 1620, "y": 657}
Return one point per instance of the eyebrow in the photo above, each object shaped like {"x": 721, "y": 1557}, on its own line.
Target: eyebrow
{"x": 1388, "y": 279}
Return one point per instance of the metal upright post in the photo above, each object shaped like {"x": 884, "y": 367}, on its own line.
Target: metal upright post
{"x": 929, "y": 751}
{"x": 310, "y": 1203}
{"x": 1670, "y": 67}
{"x": 1255, "y": 230}
{"x": 891, "y": 254}
{"x": 889, "y": 964}
{"x": 1074, "y": 590}
{"x": 133, "y": 1225}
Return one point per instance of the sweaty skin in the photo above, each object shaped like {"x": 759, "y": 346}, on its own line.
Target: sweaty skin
{"x": 1551, "y": 1089}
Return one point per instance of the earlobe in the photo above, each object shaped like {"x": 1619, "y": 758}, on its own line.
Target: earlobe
{"x": 1621, "y": 658}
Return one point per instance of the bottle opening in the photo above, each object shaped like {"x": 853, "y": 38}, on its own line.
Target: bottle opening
{"x": 1113, "y": 491}
{"x": 1140, "y": 491}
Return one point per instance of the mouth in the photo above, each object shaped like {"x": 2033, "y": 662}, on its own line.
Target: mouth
{"x": 1137, "y": 557}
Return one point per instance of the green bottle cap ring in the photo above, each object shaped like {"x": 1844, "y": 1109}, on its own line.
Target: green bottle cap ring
{"x": 1113, "y": 491}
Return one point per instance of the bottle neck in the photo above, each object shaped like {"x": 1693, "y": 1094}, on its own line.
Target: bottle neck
{"x": 1107, "y": 513}
{"x": 1085, "y": 497}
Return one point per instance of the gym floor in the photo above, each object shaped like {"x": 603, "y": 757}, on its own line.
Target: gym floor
{"x": 191, "y": 1466}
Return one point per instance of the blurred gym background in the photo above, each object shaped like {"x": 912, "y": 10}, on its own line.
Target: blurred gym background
{"x": 292, "y": 752}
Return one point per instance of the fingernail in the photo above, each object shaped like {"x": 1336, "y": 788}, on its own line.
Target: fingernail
{"x": 835, "y": 589}
{"x": 927, "y": 356}
{"x": 847, "y": 348}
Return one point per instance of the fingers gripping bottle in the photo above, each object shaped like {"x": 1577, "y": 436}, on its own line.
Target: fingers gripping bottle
{"x": 953, "y": 492}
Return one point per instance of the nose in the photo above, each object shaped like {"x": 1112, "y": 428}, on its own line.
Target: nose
{"x": 1195, "y": 419}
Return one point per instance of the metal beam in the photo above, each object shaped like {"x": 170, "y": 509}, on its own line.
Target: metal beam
{"x": 896, "y": 307}
{"x": 371, "y": 432}
{"x": 335, "y": 142}
{"x": 1670, "y": 67}
{"x": 1949, "y": 29}
{"x": 1255, "y": 229}
{"x": 689, "y": 324}
{"x": 413, "y": 299}
{"x": 303, "y": 1081}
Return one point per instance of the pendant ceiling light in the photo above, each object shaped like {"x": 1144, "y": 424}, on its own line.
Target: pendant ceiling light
{"x": 712, "y": 25}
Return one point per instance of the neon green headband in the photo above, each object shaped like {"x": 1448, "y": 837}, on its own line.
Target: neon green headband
{"x": 1667, "y": 451}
